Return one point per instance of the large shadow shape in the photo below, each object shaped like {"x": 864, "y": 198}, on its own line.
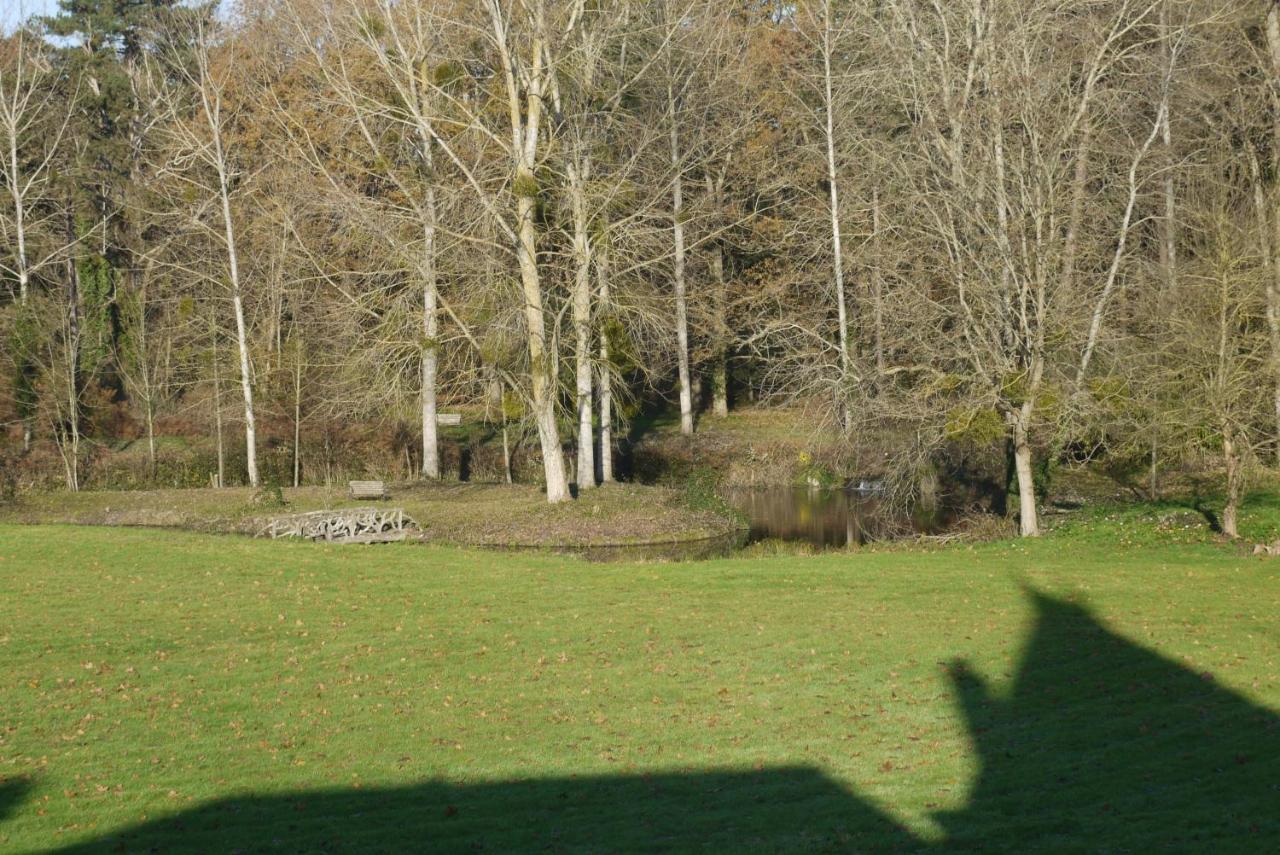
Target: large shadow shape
{"x": 1095, "y": 745}
{"x": 1102, "y": 745}
{"x": 795, "y": 809}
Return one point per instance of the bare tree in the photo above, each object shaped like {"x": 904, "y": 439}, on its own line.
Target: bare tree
{"x": 197, "y": 125}
{"x": 1003, "y": 134}
{"x": 34, "y": 115}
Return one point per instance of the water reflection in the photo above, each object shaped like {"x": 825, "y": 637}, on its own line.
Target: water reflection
{"x": 702, "y": 549}
{"x": 824, "y": 518}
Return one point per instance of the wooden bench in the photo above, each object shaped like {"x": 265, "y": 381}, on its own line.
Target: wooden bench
{"x": 367, "y": 490}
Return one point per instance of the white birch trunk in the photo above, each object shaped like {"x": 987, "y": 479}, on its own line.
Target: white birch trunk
{"x": 297, "y": 417}
{"x": 525, "y": 116}
{"x": 837, "y": 250}
{"x": 217, "y": 415}
{"x": 430, "y": 355}
{"x": 582, "y": 252}
{"x": 19, "y": 216}
{"x": 237, "y": 302}
{"x": 430, "y": 349}
{"x": 606, "y": 377}
{"x": 242, "y": 345}
{"x": 682, "y": 308}
{"x": 70, "y": 444}
{"x": 1230, "y": 449}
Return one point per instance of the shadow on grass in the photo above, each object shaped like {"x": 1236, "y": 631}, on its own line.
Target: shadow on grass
{"x": 1096, "y": 744}
{"x": 11, "y": 795}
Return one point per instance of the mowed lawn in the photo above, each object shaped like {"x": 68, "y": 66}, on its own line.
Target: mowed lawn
{"x": 163, "y": 691}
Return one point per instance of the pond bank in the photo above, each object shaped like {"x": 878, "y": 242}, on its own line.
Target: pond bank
{"x": 480, "y": 515}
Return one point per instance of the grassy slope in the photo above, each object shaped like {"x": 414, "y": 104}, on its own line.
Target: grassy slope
{"x": 1105, "y": 688}
{"x": 752, "y": 446}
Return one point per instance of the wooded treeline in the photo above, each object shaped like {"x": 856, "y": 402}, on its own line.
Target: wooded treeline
{"x": 1046, "y": 229}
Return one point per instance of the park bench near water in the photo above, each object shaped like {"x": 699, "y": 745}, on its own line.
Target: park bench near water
{"x": 368, "y": 490}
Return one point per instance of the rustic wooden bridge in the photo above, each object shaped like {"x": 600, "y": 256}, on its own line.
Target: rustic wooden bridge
{"x": 345, "y": 525}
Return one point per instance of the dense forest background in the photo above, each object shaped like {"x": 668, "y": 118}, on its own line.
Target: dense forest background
{"x": 1006, "y": 233}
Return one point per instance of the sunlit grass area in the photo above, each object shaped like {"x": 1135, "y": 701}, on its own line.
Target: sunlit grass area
{"x": 185, "y": 692}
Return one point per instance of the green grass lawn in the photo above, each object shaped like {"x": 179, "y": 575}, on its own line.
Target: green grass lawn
{"x": 1107, "y": 689}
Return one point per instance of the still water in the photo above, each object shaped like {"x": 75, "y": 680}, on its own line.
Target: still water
{"x": 825, "y": 518}
{"x": 822, "y": 517}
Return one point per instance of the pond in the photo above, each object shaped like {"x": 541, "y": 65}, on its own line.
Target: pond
{"x": 824, "y": 517}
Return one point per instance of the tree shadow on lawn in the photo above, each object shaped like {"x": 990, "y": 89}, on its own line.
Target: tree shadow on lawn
{"x": 1098, "y": 744}
{"x": 11, "y": 795}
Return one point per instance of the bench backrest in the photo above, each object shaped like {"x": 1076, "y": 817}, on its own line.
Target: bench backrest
{"x": 367, "y": 489}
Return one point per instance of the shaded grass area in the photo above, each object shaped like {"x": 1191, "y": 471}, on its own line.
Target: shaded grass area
{"x": 471, "y": 514}
{"x": 182, "y": 692}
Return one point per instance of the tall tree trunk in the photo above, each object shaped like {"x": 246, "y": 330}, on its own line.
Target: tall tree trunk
{"x": 217, "y": 414}
{"x": 719, "y": 304}
{"x": 541, "y": 361}
{"x": 1273, "y": 286}
{"x": 297, "y": 415}
{"x": 430, "y": 352}
{"x": 720, "y": 357}
{"x": 19, "y": 217}
{"x": 682, "y": 307}
{"x": 1028, "y": 520}
{"x": 1266, "y": 240}
{"x": 242, "y": 336}
{"x": 71, "y": 432}
{"x": 1235, "y": 483}
{"x": 877, "y": 283}
{"x": 144, "y": 369}
{"x": 1273, "y": 325}
{"x": 606, "y": 372}
{"x": 837, "y": 250}
{"x": 1230, "y": 448}
{"x": 20, "y": 238}
{"x": 579, "y": 174}
{"x": 1169, "y": 240}
{"x": 525, "y": 104}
